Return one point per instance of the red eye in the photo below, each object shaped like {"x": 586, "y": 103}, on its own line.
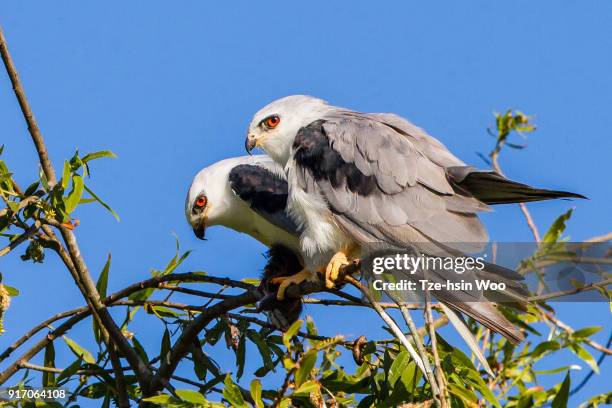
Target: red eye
{"x": 201, "y": 201}
{"x": 272, "y": 121}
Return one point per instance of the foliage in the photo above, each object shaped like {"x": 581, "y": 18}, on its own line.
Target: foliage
{"x": 383, "y": 374}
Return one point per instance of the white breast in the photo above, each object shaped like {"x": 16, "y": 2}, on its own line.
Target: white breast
{"x": 321, "y": 237}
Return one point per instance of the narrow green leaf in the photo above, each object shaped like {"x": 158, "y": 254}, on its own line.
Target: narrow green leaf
{"x": 560, "y": 400}
{"x": 101, "y": 286}
{"x": 191, "y": 396}
{"x": 66, "y": 175}
{"x": 70, "y": 370}
{"x": 142, "y": 353}
{"x": 241, "y": 350}
{"x": 162, "y": 399}
{"x": 11, "y": 290}
{"x": 165, "y": 345}
{"x": 102, "y": 283}
{"x": 75, "y": 194}
{"x": 256, "y": 393}
{"x": 79, "y": 351}
{"x": 556, "y": 229}
{"x": 585, "y": 356}
{"x": 48, "y": 378}
{"x": 306, "y": 388}
{"x": 291, "y": 331}
{"x": 98, "y": 155}
{"x": 586, "y": 332}
{"x": 232, "y": 393}
{"x": 398, "y": 367}
{"x": 307, "y": 363}
{"x": 98, "y": 199}
{"x": 262, "y": 347}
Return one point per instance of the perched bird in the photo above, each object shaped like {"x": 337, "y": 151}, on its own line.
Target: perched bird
{"x": 356, "y": 180}
{"x": 249, "y": 195}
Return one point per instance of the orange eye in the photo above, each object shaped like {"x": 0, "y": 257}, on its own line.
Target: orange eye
{"x": 272, "y": 121}
{"x": 201, "y": 201}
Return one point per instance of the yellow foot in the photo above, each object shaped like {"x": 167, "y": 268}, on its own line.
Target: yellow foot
{"x": 285, "y": 281}
{"x": 333, "y": 268}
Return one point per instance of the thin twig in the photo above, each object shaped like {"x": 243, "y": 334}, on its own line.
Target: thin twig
{"x": 568, "y": 329}
{"x": 20, "y": 239}
{"x": 430, "y": 324}
{"x": 561, "y": 293}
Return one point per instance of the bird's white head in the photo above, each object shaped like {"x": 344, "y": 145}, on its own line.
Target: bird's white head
{"x": 274, "y": 127}
{"x": 208, "y": 196}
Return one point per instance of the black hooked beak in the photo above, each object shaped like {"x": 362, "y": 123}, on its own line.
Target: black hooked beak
{"x": 200, "y": 231}
{"x": 249, "y": 144}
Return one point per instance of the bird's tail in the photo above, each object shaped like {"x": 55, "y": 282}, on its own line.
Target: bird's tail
{"x": 492, "y": 188}
{"x": 488, "y": 315}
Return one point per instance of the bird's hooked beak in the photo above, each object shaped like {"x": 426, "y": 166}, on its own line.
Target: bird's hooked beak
{"x": 200, "y": 229}
{"x": 250, "y": 143}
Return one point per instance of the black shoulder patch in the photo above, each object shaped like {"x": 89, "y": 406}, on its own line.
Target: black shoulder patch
{"x": 262, "y": 189}
{"x": 313, "y": 152}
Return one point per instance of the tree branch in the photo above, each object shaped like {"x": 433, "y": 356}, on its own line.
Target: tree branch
{"x": 27, "y": 112}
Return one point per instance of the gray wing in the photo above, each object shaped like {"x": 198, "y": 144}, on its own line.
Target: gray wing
{"x": 263, "y": 186}
{"x": 384, "y": 181}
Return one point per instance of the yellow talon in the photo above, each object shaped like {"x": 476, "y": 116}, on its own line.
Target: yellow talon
{"x": 333, "y": 268}
{"x": 285, "y": 281}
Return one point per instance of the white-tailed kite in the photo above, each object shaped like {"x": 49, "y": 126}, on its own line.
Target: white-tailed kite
{"x": 357, "y": 180}
{"x": 249, "y": 194}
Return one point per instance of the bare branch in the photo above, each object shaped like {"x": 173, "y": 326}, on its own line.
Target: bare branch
{"x": 27, "y": 112}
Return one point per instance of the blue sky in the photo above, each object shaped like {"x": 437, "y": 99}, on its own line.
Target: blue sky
{"x": 172, "y": 89}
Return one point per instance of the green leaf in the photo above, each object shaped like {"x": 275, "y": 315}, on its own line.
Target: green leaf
{"x": 558, "y": 370}
{"x": 191, "y": 396}
{"x": 79, "y": 351}
{"x": 162, "y": 399}
{"x": 262, "y": 347}
{"x": 98, "y": 199}
{"x": 398, "y": 367}
{"x": 70, "y": 370}
{"x": 101, "y": 286}
{"x": 66, "y": 175}
{"x": 141, "y": 295}
{"x": 256, "y": 393}
{"x": 544, "y": 348}
{"x": 241, "y": 350}
{"x": 213, "y": 335}
{"x": 232, "y": 393}
{"x": 291, "y": 331}
{"x": 562, "y": 396}
{"x": 48, "y": 378}
{"x": 142, "y": 353}
{"x": 102, "y": 283}
{"x": 584, "y": 355}
{"x": 165, "y": 345}
{"x": 464, "y": 394}
{"x": 75, "y": 194}
{"x": 556, "y": 229}
{"x": 11, "y": 290}
{"x": 162, "y": 311}
{"x": 98, "y": 155}
{"x": 307, "y": 363}
{"x": 306, "y": 388}
{"x": 586, "y": 332}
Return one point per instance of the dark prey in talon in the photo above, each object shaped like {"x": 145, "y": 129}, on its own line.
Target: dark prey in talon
{"x": 281, "y": 313}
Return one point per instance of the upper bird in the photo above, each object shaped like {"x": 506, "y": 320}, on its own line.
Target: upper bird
{"x": 358, "y": 179}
